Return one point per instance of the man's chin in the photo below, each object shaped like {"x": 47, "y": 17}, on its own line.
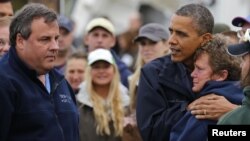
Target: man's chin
{"x": 175, "y": 59}
{"x": 49, "y": 67}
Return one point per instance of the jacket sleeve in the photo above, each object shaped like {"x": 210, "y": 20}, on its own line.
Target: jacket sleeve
{"x": 154, "y": 115}
{"x": 6, "y": 108}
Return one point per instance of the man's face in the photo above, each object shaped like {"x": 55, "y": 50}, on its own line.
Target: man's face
{"x": 99, "y": 38}
{"x": 183, "y": 40}
{"x": 6, "y": 9}
{"x": 65, "y": 40}
{"x": 39, "y": 51}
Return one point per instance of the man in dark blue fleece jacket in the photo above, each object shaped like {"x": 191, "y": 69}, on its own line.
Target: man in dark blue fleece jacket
{"x": 36, "y": 102}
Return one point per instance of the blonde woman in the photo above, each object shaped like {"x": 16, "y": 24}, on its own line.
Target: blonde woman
{"x": 152, "y": 43}
{"x": 102, "y": 99}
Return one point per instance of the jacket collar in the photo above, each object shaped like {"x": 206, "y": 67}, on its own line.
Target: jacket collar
{"x": 22, "y": 67}
{"x": 176, "y": 76}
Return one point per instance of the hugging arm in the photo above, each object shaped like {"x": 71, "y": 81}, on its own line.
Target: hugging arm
{"x": 211, "y": 106}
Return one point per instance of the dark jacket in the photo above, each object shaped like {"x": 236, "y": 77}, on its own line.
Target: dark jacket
{"x": 163, "y": 93}
{"x": 239, "y": 116}
{"x": 28, "y": 112}
{"x": 189, "y": 128}
{"x": 123, "y": 69}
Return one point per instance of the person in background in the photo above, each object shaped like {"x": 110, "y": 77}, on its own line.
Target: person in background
{"x": 215, "y": 71}
{"x": 100, "y": 33}
{"x": 127, "y": 49}
{"x": 6, "y": 12}
{"x": 75, "y": 69}
{"x": 36, "y": 102}
{"x": 241, "y": 115}
{"x": 6, "y": 8}
{"x": 4, "y": 35}
{"x": 242, "y": 22}
{"x": 102, "y": 99}
{"x": 65, "y": 42}
{"x": 152, "y": 42}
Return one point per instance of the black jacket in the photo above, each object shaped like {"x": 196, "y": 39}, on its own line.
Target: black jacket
{"x": 163, "y": 94}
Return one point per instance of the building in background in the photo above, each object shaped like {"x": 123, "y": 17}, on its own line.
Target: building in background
{"x": 118, "y": 11}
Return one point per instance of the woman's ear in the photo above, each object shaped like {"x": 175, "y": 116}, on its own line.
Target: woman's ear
{"x": 205, "y": 38}
{"x": 220, "y": 76}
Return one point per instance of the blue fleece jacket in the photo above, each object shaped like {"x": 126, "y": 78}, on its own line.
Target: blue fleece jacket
{"x": 28, "y": 112}
{"x": 188, "y": 128}
{"x": 163, "y": 93}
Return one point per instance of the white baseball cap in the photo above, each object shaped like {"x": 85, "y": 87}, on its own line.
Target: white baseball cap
{"x": 100, "y": 54}
{"x": 100, "y": 22}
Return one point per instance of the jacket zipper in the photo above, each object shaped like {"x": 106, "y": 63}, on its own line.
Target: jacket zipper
{"x": 53, "y": 103}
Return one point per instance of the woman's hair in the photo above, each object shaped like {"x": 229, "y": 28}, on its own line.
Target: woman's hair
{"x": 134, "y": 78}
{"x": 114, "y": 103}
{"x": 219, "y": 59}
{"x": 133, "y": 81}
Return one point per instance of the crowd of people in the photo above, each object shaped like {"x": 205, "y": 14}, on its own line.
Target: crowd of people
{"x": 185, "y": 77}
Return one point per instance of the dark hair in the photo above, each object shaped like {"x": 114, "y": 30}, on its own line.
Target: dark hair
{"x": 21, "y": 23}
{"x": 4, "y": 1}
{"x": 203, "y": 20}
{"x": 219, "y": 59}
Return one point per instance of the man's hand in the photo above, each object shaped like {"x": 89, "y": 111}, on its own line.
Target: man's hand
{"x": 210, "y": 107}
